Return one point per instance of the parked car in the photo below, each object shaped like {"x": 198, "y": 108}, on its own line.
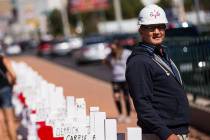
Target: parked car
{"x": 95, "y": 48}
{"x": 44, "y": 48}
{"x": 75, "y": 43}
{"x": 60, "y": 47}
{"x": 28, "y": 44}
{"x": 127, "y": 40}
{"x": 13, "y": 49}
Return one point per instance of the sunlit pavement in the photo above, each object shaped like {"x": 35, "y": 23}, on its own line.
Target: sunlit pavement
{"x": 95, "y": 92}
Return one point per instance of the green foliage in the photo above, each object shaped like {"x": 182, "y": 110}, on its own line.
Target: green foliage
{"x": 55, "y": 23}
{"x": 130, "y": 8}
{"x": 90, "y": 21}
{"x": 165, "y": 3}
{"x": 188, "y": 4}
{"x": 73, "y": 19}
{"x": 205, "y": 4}
{"x": 109, "y": 14}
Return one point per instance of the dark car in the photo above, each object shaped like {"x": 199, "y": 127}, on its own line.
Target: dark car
{"x": 28, "y": 44}
{"x": 44, "y": 48}
{"x": 127, "y": 40}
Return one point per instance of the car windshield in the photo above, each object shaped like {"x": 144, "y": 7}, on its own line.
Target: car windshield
{"x": 95, "y": 40}
{"x": 59, "y": 41}
{"x": 125, "y": 36}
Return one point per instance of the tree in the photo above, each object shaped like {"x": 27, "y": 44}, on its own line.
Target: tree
{"x": 109, "y": 14}
{"x": 55, "y": 23}
{"x": 130, "y": 8}
{"x": 205, "y": 5}
{"x": 90, "y": 21}
{"x": 166, "y": 4}
{"x": 188, "y": 5}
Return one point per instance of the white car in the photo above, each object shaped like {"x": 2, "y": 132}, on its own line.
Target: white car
{"x": 65, "y": 47}
{"x": 60, "y": 48}
{"x": 13, "y": 49}
{"x": 94, "y": 49}
{"x": 75, "y": 43}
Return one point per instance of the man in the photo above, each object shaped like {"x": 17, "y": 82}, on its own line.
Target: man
{"x": 154, "y": 82}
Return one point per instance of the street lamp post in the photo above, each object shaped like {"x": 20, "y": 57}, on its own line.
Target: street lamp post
{"x": 118, "y": 13}
{"x": 179, "y": 10}
{"x": 65, "y": 18}
{"x": 197, "y": 9}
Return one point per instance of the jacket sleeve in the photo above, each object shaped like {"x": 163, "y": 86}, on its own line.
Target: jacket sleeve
{"x": 138, "y": 76}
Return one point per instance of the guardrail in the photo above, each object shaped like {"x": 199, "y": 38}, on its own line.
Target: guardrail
{"x": 48, "y": 115}
{"x": 192, "y": 57}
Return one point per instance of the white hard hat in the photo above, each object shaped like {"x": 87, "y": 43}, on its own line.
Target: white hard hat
{"x": 152, "y": 14}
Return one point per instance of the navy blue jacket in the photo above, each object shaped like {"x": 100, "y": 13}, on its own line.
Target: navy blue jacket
{"x": 157, "y": 92}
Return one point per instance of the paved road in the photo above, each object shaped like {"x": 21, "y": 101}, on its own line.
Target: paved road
{"x": 101, "y": 72}
{"x": 96, "y": 70}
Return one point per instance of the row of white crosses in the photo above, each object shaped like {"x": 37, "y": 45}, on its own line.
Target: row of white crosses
{"x": 66, "y": 115}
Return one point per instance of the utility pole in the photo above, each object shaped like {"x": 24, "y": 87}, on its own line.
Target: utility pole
{"x": 178, "y": 9}
{"x": 118, "y": 13}
{"x": 197, "y": 9}
{"x": 65, "y": 18}
{"x": 182, "y": 11}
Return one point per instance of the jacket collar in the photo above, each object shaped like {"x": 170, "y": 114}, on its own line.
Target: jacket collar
{"x": 150, "y": 51}
{"x": 152, "y": 48}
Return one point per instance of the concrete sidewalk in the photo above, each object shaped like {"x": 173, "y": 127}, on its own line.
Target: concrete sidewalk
{"x": 95, "y": 92}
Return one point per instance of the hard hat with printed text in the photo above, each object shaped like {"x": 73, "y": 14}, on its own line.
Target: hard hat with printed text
{"x": 152, "y": 14}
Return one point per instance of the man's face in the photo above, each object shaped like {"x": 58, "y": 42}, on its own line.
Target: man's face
{"x": 153, "y": 34}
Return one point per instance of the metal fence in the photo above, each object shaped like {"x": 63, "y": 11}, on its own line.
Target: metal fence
{"x": 192, "y": 57}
